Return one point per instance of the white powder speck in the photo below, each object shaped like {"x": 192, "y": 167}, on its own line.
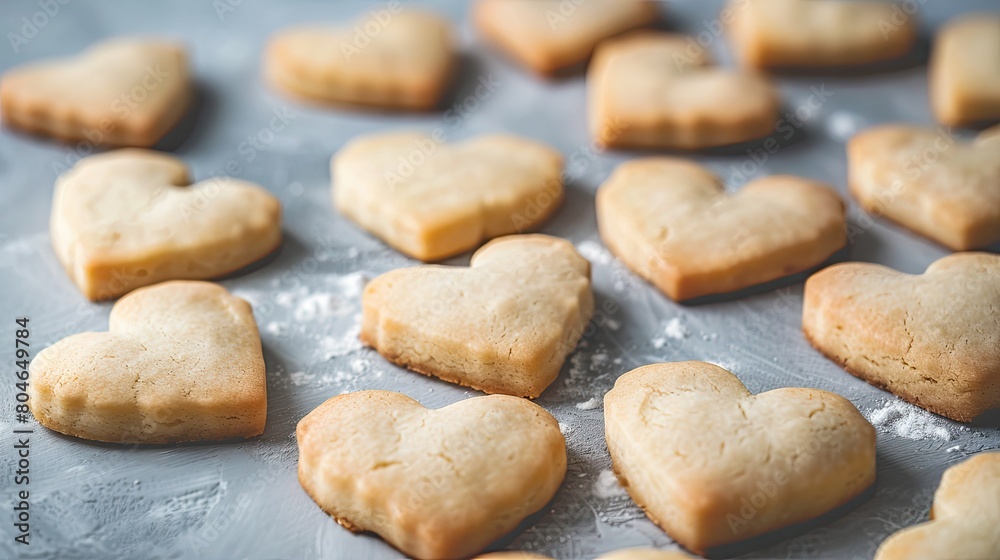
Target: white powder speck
{"x": 842, "y": 125}
{"x": 612, "y": 324}
{"x": 675, "y": 329}
{"x": 908, "y": 421}
{"x": 589, "y": 404}
{"x": 710, "y": 336}
{"x": 300, "y": 377}
{"x": 954, "y": 448}
{"x": 607, "y": 486}
{"x": 594, "y": 252}
{"x": 598, "y": 359}
{"x": 276, "y": 328}
{"x": 336, "y": 346}
{"x": 565, "y": 428}
{"x": 317, "y": 306}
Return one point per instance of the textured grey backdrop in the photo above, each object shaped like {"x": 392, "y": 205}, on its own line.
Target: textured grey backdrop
{"x": 242, "y": 499}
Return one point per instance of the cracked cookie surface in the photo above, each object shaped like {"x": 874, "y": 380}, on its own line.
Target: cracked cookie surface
{"x": 504, "y": 325}
{"x": 932, "y": 339}
{"x": 181, "y": 361}
{"x": 692, "y": 446}
{"x": 964, "y": 517}
{"x": 439, "y": 483}
{"x": 671, "y": 222}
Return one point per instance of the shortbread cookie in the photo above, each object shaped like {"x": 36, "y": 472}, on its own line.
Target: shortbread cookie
{"x": 400, "y": 60}
{"x": 433, "y": 483}
{"x": 932, "y": 183}
{"x": 432, "y": 200}
{"x": 817, "y": 33}
{"x": 181, "y": 361}
{"x": 644, "y": 554}
{"x": 964, "y": 70}
{"x": 128, "y": 218}
{"x": 649, "y": 90}
{"x": 964, "y": 518}
{"x": 712, "y": 464}
{"x": 550, "y": 35}
{"x": 122, "y": 92}
{"x": 931, "y": 339}
{"x": 503, "y": 325}
{"x": 672, "y": 223}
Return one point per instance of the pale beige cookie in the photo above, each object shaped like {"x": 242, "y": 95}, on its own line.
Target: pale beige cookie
{"x": 932, "y": 339}
{"x": 651, "y": 90}
{"x": 181, "y": 361}
{"x": 121, "y": 92}
{"x": 130, "y": 218}
{"x": 964, "y": 73}
{"x": 400, "y": 59}
{"x": 431, "y": 200}
{"x": 435, "y": 484}
{"x": 712, "y": 464}
{"x": 929, "y": 181}
{"x": 644, "y": 554}
{"x": 672, "y": 223}
{"x": 503, "y": 325}
{"x": 964, "y": 518}
{"x": 817, "y": 33}
{"x": 551, "y": 35}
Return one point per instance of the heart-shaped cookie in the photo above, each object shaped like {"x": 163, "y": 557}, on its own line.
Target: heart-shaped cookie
{"x": 966, "y": 515}
{"x": 181, "y": 361}
{"x": 817, "y": 33}
{"x": 436, "y": 484}
{"x": 964, "y": 70}
{"x": 932, "y": 339}
{"x": 123, "y": 92}
{"x": 651, "y": 90}
{"x": 672, "y": 223}
{"x": 644, "y": 554}
{"x": 932, "y": 183}
{"x": 392, "y": 57}
{"x": 550, "y": 35}
{"x": 128, "y": 218}
{"x": 432, "y": 200}
{"x": 713, "y": 464}
{"x": 503, "y": 325}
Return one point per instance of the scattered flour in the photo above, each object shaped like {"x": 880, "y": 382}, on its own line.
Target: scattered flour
{"x": 954, "y": 448}
{"x": 594, "y": 252}
{"x": 299, "y": 378}
{"x": 565, "y": 428}
{"x": 342, "y": 345}
{"x": 589, "y": 404}
{"x": 337, "y": 302}
{"x": 842, "y": 125}
{"x": 607, "y": 486}
{"x": 908, "y": 421}
{"x": 277, "y": 328}
{"x": 612, "y": 324}
{"x": 673, "y": 330}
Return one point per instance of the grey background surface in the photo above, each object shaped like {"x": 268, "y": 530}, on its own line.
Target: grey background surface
{"x": 242, "y": 500}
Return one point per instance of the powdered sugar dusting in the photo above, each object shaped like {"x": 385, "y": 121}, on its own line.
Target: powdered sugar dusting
{"x": 673, "y": 330}
{"x": 589, "y": 404}
{"x": 907, "y": 421}
{"x": 607, "y": 487}
{"x": 594, "y": 252}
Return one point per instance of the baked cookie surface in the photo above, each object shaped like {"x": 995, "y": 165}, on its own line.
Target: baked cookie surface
{"x": 504, "y": 325}
{"x": 964, "y": 70}
{"x": 181, "y": 361}
{"x": 817, "y": 33}
{"x": 670, "y": 221}
{"x": 941, "y": 187}
{"x": 406, "y": 64}
{"x": 964, "y": 518}
{"x": 550, "y": 35}
{"x": 121, "y": 92}
{"x": 452, "y": 196}
{"x": 130, "y": 218}
{"x": 439, "y": 483}
{"x": 649, "y": 90}
{"x": 932, "y": 339}
{"x": 692, "y": 445}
